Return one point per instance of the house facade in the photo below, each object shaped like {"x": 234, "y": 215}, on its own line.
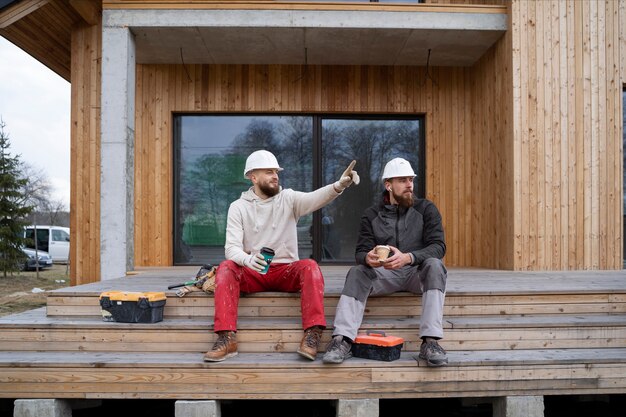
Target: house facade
{"x": 511, "y": 112}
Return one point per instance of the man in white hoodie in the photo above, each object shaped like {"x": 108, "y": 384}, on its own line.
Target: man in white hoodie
{"x": 266, "y": 216}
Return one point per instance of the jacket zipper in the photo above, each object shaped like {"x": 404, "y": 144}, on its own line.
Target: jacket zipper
{"x": 398, "y": 227}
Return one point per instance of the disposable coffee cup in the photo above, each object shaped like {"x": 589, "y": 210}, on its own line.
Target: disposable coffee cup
{"x": 383, "y": 252}
{"x": 268, "y": 255}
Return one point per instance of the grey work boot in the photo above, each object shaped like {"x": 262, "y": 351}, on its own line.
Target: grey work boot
{"x": 337, "y": 350}
{"x": 433, "y": 354}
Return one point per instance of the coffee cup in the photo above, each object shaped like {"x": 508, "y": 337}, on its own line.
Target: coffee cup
{"x": 268, "y": 255}
{"x": 383, "y": 252}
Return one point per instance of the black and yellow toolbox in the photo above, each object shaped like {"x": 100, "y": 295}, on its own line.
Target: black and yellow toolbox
{"x": 378, "y": 346}
{"x": 132, "y": 307}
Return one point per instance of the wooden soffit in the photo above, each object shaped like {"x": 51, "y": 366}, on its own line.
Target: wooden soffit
{"x": 43, "y": 28}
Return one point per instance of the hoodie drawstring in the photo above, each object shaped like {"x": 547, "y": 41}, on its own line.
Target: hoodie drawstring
{"x": 256, "y": 217}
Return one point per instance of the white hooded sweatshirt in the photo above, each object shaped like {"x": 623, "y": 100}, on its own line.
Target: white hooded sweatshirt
{"x": 254, "y": 223}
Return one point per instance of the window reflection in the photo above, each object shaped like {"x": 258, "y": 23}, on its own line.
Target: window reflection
{"x": 372, "y": 143}
{"x": 212, "y": 153}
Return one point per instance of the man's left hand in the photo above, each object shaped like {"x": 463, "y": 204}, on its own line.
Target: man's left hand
{"x": 348, "y": 177}
{"x": 398, "y": 260}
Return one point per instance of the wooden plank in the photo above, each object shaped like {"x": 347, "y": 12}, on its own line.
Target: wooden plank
{"x": 90, "y": 11}
{"x": 565, "y": 119}
{"x": 85, "y": 170}
{"x": 20, "y": 10}
{"x": 601, "y": 156}
{"x": 521, "y": 149}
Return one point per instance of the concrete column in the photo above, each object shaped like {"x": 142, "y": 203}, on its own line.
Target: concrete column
{"x": 117, "y": 151}
{"x": 526, "y": 406}
{"x": 42, "y": 408}
{"x": 358, "y": 408}
{"x": 197, "y": 409}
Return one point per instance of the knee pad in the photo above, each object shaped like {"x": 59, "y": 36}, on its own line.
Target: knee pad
{"x": 433, "y": 275}
{"x": 359, "y": 282}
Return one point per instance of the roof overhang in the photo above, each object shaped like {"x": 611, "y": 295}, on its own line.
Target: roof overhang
{"x": 400, "y": 36}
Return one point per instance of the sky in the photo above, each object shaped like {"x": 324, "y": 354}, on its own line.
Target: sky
{"x": 35, "y": 107}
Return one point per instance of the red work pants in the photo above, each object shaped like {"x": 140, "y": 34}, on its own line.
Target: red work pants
{"x": 303, "y": 275}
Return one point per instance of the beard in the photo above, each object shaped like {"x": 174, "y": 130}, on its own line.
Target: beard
{"x": 269, "y": 189}
{"x": 404, "y": 200}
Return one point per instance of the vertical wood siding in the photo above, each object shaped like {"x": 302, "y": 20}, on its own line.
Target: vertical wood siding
{"x": 85, "y": 155}
{"x": 452, "y": 174}
{"x": 491, "y": 159}
{"x": 567, "y": 134}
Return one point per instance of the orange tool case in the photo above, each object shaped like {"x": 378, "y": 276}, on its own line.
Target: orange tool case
{"x": 378, "y": 346}
{"x": 132, "y": 307}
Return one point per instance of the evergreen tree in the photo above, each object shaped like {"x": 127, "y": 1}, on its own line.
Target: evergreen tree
{"x": 13, "y": 207}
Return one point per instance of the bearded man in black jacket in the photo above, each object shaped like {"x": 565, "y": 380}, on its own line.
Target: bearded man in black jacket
{"x": 413, "y": 231}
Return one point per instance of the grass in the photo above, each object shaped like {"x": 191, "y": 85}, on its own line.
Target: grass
{"x": 16, "y": 291}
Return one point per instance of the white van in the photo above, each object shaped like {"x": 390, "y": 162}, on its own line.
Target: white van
{"x": 52, "y": 239}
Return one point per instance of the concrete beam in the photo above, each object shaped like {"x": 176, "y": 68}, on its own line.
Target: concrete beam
{"x": 316, "y": 37}
{"x": 526, "y": 406}
{"x": 347, "y": 19}
{"x": 117, "y": 152}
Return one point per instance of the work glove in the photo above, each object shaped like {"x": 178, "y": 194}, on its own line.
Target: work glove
{"x": 255, "y": 262}
{"x": 348, "y": 177}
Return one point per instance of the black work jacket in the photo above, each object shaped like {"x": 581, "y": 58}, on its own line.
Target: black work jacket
{"x": 417, "y": 230}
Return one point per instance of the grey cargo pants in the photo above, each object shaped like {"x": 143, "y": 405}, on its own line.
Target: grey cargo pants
{"x": 429, "y": 279}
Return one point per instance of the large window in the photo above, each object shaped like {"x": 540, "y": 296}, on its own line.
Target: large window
{"x": 211, "y": 151}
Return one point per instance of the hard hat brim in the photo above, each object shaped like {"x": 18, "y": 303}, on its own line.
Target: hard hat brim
{"x": 254, "y": 169}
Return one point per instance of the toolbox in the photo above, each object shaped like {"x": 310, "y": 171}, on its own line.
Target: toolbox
{"x": 132, "y": 307}
{"x": 378, "y": 346}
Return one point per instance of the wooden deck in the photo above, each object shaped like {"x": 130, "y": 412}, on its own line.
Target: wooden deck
{"x": 507, "y": 333}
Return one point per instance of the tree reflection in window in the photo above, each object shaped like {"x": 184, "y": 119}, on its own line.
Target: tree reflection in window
{"x": 211, "y": 151}
{"x": 372, "y": 143}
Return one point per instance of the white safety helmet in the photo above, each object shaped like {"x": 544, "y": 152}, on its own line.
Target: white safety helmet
{"x": 259, "y": 160}
{"x": 397, "y": 167}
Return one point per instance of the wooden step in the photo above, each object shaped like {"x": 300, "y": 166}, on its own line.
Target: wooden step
{"x": 507, "y": 333}
{"x": 272, "y": 304}
{"x": 287, "y": 376}
{"x": 469, "y": 293}
{"x": 34, "y": 330}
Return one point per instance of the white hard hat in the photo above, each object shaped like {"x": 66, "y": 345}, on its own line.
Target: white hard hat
{"x": 398, "y": 167}
{"x": 260, "y": 159}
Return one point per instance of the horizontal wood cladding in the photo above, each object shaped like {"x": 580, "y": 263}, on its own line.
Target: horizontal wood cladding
{"x": 85, "y": 155}
{"x": 567, "y": 135}
{"x": 163, "y": 89}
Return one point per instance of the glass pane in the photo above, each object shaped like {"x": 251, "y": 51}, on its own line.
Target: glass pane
{"x": 212, "y": 152}
{"x": 42, "y": 239}
{"x": 372, "y": 143}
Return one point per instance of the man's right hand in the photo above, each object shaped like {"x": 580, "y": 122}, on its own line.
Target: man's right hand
{"x": 372, "y": 259}
{"x": 255, "y": 262}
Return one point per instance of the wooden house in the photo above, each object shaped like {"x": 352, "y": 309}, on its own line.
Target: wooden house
{"x": 511, "y": 111}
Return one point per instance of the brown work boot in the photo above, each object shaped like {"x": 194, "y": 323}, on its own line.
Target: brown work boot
{"x": 224, "y": 347}
{"x": 310, "y": 342}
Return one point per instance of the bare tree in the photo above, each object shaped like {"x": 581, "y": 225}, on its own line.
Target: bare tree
{"x": 37, "y": 192}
